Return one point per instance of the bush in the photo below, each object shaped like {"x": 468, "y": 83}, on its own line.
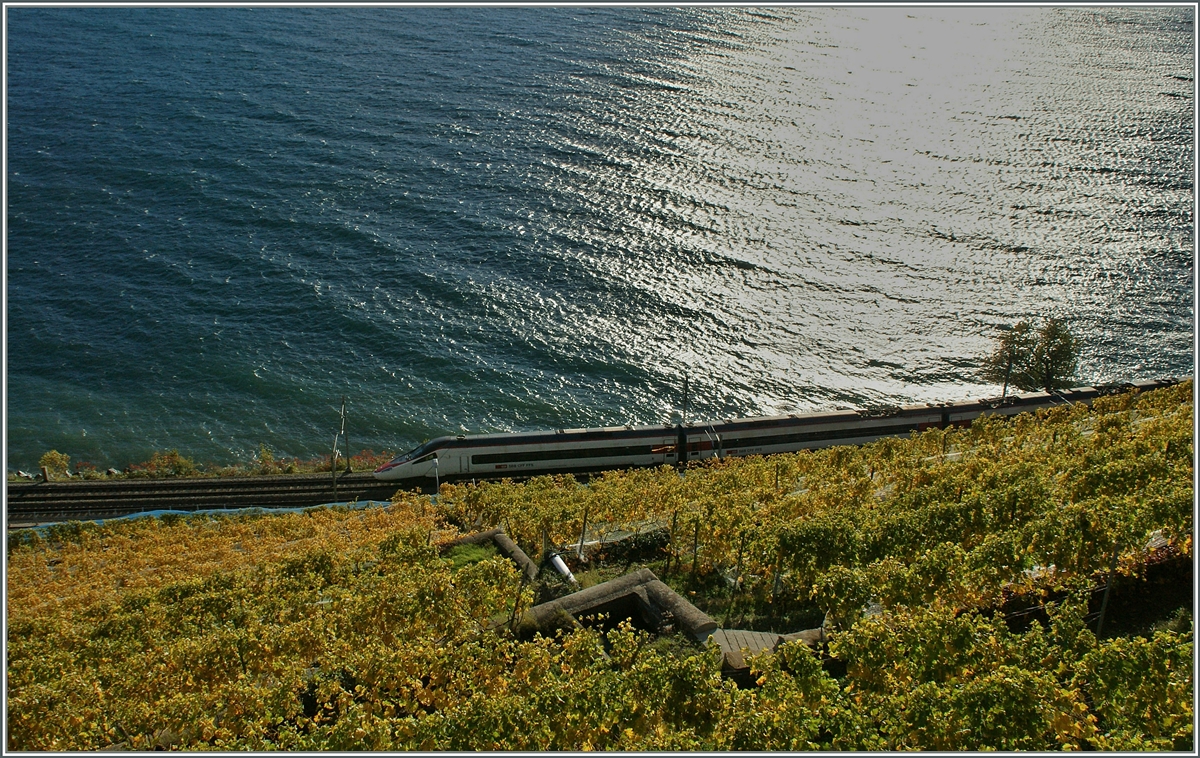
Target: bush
{"x": 842, "y": 593}
{"x": 55, "y": 463}
{"x": 162, "y": 465}
{"x": 87, "y": 470}
{"x": 1030, "y": 361}
{"x": 266, "y": 460}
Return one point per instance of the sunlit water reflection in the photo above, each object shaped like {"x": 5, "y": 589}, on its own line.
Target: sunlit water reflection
{"x": 488, "y": 219}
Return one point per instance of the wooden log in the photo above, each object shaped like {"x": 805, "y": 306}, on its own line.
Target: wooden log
{"x": 609, "y": 590}
{"x": 810, "y": 637}
{"x": 688, "y": 617}
{"x": 651, "y": 612}
{"x": 652, "y": 592}
{"x": 510, "y": 550}
{"x": 547, "y": 615}
{"x": 471, "y": 539}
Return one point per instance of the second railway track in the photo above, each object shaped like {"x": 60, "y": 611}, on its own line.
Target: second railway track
{"x": 42, "y": 502}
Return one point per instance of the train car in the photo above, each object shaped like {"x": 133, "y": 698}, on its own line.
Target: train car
{"x": 583, "y": 450}
{"x": 524, "y": 453}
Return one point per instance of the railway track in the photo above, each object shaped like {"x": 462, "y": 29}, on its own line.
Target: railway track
{"x": 44, "y": 502}
{"x": 29, "y": 504}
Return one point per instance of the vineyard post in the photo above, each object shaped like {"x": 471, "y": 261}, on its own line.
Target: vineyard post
{"x": 1112, "y": 569}
{"x": 737, "y": 572}
{"x": 516, "y": 602}
{"x": 777, "y": 476}
{"x": 671, "y": 546}
{"x": 124, "y": 733}
{"x": 737, "y": 576}
{"x": 778, "y": 575}
{"x": 695, "y": 550}
{"x": 582, "y": 533}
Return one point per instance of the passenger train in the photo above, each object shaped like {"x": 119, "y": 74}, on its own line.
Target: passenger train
{"x": 582, "y": 450}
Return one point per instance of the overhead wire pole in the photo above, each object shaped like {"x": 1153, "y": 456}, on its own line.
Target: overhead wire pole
{"x": 345, "y": 439}
{"x": 333, "y": 456}
{"x": 685, "y": 398}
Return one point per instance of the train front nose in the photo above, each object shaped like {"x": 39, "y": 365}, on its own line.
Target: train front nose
{"x": 389, "y": 470}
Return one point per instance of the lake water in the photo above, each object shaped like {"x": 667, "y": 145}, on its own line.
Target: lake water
{"x": 222, "y": 220}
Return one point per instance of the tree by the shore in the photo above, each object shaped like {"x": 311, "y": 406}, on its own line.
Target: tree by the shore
{"x": 1029, "y": 359}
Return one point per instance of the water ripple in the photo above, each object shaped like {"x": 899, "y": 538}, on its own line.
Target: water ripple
{"x": 221, "y": 220}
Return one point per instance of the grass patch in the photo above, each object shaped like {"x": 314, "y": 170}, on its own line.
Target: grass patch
{"x": 465, "y": 555}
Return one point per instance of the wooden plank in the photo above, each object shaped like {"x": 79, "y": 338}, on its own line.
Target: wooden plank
{"x": 733, "y": 641}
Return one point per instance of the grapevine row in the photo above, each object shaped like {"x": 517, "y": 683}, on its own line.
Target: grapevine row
{"x": 339, "y": 629}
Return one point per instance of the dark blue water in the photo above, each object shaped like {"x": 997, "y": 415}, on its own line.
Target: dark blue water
{"x": 222, "y": 220}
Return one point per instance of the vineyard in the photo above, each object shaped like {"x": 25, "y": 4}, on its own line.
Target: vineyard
{"x": 349, "y": 629}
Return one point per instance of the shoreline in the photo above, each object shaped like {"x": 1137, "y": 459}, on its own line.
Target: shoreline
{"x": 173, "y": 465}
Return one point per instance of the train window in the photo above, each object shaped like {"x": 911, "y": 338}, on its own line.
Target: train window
{"x": 424, "y": 458}
{"x": 562, "y": 454}
{"x": 766, "y": 440}
{"x": 415, "y": 452}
